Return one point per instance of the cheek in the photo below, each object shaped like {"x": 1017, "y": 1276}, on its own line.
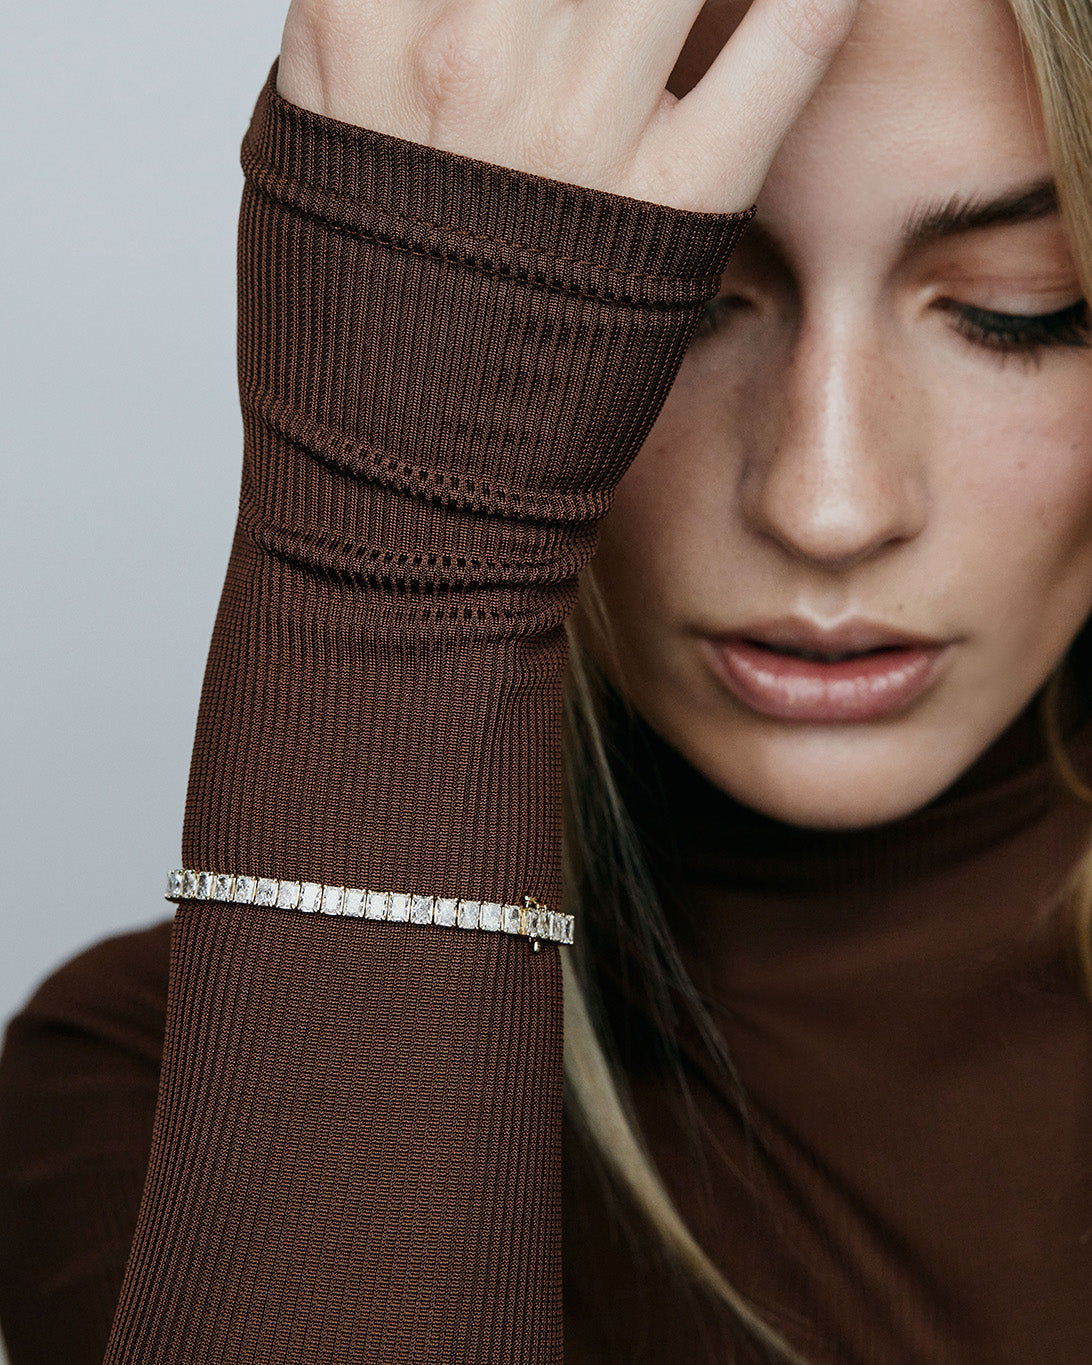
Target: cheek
{"x": 660, "y": 546}
{"x": 668, "y": 516}
{"x": 1018, "y": 507}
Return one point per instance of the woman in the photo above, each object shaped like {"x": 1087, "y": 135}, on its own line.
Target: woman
{"x": 851, "y": 556}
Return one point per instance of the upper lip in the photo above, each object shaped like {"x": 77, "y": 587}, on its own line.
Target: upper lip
{"x": 854, "y": 636}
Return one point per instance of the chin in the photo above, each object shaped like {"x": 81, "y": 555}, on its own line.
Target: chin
{"x": 821, "y": 781}
{"x": 823, "y": 808}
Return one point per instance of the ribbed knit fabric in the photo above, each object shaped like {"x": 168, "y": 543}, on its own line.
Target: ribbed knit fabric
{"x": 445, "y": 367}
{"x": 913, "y": 1184}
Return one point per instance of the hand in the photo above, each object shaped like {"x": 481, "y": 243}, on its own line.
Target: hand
{"x": 573, "y": 90}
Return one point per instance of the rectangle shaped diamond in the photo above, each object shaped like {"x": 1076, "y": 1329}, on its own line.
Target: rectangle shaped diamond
{"x": 266, "y": 893}
{"x": 446, "y": 908}
{"x": 331, "y": 899}
{"x": 245, "y": 888}
{"x": 288, "y": 895}
{"x": 353, "y": 904}
{"x": 510, "y": 919}
{"x": 222, "y": 888}
{"x": 376, "y": 906}
{"x": 310, "y": 895}
{"x": 491, "y": 916}
{"x": 398, "y": 906}
{"x": 174, "y": 885}
{"x": 469, "y": 912}
{"x": 189, "y": 882}
{"x": 203, "y": 887}
{"x": 421, "y": 910}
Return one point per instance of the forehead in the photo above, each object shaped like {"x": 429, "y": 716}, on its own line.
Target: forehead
{"x": 926, "y": 101}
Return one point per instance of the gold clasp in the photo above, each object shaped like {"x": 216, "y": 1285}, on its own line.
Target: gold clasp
{"x": 529, "y": 903}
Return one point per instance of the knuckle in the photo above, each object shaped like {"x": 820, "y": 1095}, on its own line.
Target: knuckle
{"x": 557, "y": 143}
{"x": 548, "y": 150}
{"x": 456, "y": 60}
{"x": 661, "y": 180}
{"x": 816, "y": 27}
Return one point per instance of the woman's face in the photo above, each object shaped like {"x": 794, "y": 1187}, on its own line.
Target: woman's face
{"x": 879, "y": 444}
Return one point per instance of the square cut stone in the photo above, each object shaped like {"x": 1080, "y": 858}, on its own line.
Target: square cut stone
{"x": 288, "y": 895}
{"x": 398, "y": 906}
{"x": 446, "y": 910}
{"x": 189, "y": 884}
{"x": 353, "y": 904}
{"x": 266, "y": 893}
{"x": 491, "y": 916}
{"x": 421, "y": 910}
{"x": 469, "y": 913}
{"x": 510, "y": 919}
{"x": 245, "y": 889}
{"x": 204, "y": 886}
{"x": 331, "y": 899}
{"x": 174, "y": 885}
{"x": 222, "y": 888}
{"x": 376, "y": 907}
{"x": 310, "y": 895}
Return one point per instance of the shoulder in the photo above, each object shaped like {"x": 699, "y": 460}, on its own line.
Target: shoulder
{"x": 86, "y": 1046}
{"x": 79, "y": 1074}
{"x": 113, "y": 994}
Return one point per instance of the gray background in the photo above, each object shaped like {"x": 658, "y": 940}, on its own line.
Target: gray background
{"x": 119, "y": 442}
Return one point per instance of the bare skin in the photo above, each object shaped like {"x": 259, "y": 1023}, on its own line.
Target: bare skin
{"x": 860, "y": 435}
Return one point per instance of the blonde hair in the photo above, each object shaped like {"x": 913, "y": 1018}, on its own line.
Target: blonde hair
{"x": 606, "y": 881}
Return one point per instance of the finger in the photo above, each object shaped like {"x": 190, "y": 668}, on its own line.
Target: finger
{"x": 641, "y": 38}
{"x": 732, "y": 122}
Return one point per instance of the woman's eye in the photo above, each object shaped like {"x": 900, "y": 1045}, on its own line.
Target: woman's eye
{"x": 1026, "y": 333}
{"x": 1007, "y": 333}
{"x": 717, "y": 314}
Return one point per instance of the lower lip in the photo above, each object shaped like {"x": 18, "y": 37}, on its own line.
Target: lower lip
{"x": 784, "y": 687}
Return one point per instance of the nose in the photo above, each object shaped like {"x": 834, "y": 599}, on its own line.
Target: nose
{"x": 835, "y": 473}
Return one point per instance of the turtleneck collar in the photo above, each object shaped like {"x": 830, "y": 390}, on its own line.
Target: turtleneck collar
{"x": 908, "y": 1045}
{"x": 878, "y": 932}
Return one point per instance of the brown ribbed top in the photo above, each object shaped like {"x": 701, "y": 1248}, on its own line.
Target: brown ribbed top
{"x": 445, "y": 367}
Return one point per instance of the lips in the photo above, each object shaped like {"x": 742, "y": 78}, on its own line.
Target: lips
{"x": 793, "y": 670}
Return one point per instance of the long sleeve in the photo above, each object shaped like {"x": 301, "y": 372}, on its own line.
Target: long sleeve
{"x": 445, "y": 367}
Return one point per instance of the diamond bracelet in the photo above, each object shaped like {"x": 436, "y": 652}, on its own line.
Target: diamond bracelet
{"x": 530, "y": 919}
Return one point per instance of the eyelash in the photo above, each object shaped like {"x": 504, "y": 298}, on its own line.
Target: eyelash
{"x": 1026, "y": 334}
{"x": 1007, "y": 333}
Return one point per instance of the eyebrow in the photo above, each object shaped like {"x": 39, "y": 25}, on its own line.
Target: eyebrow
{"x": 1026, "y": 204}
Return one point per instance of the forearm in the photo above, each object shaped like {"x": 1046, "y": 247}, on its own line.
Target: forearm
{"x": 445, "y": 368}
